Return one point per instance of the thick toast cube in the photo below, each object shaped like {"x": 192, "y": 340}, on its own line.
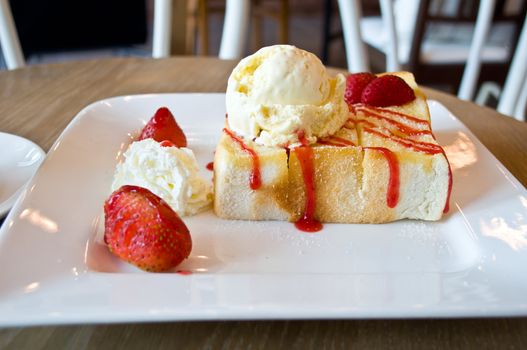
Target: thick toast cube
{"x": 353, "y": 174}
{"x": 234, "y": 198}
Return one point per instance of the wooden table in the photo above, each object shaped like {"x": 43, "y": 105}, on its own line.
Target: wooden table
{"x": 38, "y": 102}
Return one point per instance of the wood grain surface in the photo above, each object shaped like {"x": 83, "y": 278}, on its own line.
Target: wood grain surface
{"x": 38, "y": 102}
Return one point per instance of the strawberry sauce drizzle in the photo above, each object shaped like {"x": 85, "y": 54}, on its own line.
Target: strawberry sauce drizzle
{"x": 210, "y": 166}
{"x": 255, "y": 180}
{"x": 304, "y": 153}
{"x": 342, "y": 140}
{"x": 425, "y": 147}
{"x": 392, "y": 196}
{"x": 400, "y": 126}
{"x": 362, "y": 108}
{"x": 420, "y": 146}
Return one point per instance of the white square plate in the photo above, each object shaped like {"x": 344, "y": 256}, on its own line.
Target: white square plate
{"x": 471, "y": 263}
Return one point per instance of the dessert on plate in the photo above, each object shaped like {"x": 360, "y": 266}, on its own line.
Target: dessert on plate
{"x": 157, "y": 182}
{"x": 163, "y": 164}
{"x": 302, "y": 146}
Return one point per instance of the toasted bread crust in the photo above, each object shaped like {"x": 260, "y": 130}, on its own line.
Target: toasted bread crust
{"x": 234, "y": 198}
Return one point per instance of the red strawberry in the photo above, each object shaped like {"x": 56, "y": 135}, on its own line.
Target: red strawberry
{"x": 143, "y": 230}
{"x": 387, "y": 90}
{"x": 162, "y": 126}
{"x": 355, "y": 84}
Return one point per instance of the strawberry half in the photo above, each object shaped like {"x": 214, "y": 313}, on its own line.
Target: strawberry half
{"x": 387, "y": 90}
{"x": 355, "y": 84}
{"x": 143, "y": 230}
{"x": 163, "y": 126}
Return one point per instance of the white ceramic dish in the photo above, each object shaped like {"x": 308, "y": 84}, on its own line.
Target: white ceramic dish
{"x": 471, "y": 263}
{"x": 20, "y": 159}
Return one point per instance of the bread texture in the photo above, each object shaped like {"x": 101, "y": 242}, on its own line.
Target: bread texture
{"x": 382, "y": 165}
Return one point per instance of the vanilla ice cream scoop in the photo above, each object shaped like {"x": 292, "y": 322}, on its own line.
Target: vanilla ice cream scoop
{"x": 171, "y": 173}
{"x": 281, "y": 91}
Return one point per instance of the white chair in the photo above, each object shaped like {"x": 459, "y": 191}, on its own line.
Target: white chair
{"x": 235, "y": 28}
{"x": 234, "y": 34}
{"x": 444, "y": 43}
{"x": 472, "y": 67}
{"x": 351, "y": 17}
{"x": 232, "y": 44}
{"x": 350, "y": 14}
{"x": 9, "y": 38}
{"x": 513, "y": 98}
{"x": 394, "y": 34}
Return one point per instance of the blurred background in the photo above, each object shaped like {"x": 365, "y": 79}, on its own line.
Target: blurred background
{"x": 433, "y": 37}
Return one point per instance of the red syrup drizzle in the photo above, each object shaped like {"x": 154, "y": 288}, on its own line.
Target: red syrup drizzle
{"x": 392, "y": 196}
{"x": 425, "y": 147}
{"x": 304, "y": 153}
{"x": 255, "y": 180}
{"x": 362, "y": 108}
{"x": 184, "y": 272}
{"x": 210, "y": 166}
{"x": 405, "y": 129}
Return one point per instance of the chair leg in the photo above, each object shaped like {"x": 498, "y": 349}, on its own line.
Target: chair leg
{"x": 235, "y": 28}
{"x": 516, "y": 76}
{"x": 326, "y": 30}
{"x": 350, "y": 14}
{"x": 473, "y": 65}
{"x": 190, "y": 39}
{"x": 521, "y": 105}
{"x": 388, "y": 18}
{"x": 162, "y": 28}
{"x": 203, "y": 24}
{"x": 9, "y": 38}
{"x": 284, "y": 22}
{"x": 256, "y": 25}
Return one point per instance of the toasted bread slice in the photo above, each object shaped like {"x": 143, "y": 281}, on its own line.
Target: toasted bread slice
{"x": 382, "y": 165}
{"x": 233, "y": 168}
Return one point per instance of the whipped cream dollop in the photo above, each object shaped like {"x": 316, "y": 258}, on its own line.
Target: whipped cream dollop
{"x": 281, "y": 92}
{"x": 171, "y": 173}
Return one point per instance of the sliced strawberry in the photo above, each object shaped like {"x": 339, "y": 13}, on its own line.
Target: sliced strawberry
{"x": 387, "y": 90}
{"x": 355, "y": 84}
{"x": 143, "y": 230}
{"x": 163, "y": 126}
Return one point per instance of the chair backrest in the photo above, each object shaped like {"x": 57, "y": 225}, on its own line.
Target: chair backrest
{"x": 458, "y": 12}
{"x": 350, "y": 14}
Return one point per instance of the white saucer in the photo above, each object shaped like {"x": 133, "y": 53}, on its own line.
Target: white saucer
{"x": 19, "y": 161}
